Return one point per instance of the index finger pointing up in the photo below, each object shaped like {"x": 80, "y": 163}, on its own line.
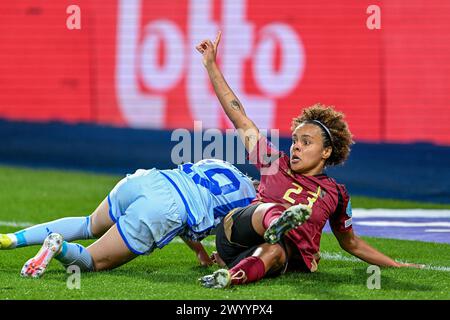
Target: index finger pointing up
{"x": 217, "y": 40}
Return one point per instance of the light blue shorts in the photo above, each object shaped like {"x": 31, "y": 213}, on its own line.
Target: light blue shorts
{"x": 148, "y": 211}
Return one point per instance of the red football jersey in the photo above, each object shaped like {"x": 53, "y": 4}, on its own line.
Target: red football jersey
{"x": 327, "y": 199}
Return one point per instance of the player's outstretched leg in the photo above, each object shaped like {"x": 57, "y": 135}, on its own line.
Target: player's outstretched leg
{"x": 289, "y": 219}
{"x": 36, "y": 266}
{"x": 71, "y": 228}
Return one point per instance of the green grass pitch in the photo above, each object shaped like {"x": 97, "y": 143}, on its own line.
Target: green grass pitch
{"x": 35, "y": 196}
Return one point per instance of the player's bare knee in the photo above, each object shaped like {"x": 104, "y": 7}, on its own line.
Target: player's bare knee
{"x": 94, "y": 226}
{"x": 100, "y": 264}
{"x": 97, "y": 225}
{"x": 277, "y": 253}
{"x": 273, "y": 254}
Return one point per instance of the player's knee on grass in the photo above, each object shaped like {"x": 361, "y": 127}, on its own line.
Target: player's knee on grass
{"x": 105, "y": 258}
{"x": 101, "y": 264}
{"x": 273, "y": 256}
{"x": 105, "y": 263}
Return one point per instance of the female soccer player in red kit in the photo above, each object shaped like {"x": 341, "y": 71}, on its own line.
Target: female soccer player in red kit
{"x": 282, "y": 228}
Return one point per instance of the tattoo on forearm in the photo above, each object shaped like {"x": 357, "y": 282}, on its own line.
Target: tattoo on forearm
{"x": 235, "y": 105}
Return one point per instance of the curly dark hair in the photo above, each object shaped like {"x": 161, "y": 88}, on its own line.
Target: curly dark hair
{"x": 334, "y": 121}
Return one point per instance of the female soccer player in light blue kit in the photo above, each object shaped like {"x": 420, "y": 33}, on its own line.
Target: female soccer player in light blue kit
{"x": 144, "y": 211}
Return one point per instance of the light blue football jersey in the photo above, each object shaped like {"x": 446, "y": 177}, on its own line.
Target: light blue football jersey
{"x": 210, "y": 189}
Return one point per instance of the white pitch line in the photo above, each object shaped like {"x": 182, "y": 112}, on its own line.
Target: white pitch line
{"x": 340, "y": 257}
{"x": 333, "y": 256}
{"x": 16, "y": 224}
{"x": 401, "y": 224}
{"x": 209, "y": 243}
{"x": 337, "y": 257}
{"x": 438, "y": 230}
{"x": 437, "y": 268}
{"x": 401, "y": 213}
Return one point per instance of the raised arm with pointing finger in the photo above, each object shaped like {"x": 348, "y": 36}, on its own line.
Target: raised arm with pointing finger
{"x": 247, "y": 130}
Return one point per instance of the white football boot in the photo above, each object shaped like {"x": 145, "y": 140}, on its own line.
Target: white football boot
{"x": 222, "y": 278}
{"x": 291, "y": 218}
{"x": 36, "y": 266}
{"x": 218, "y": 280}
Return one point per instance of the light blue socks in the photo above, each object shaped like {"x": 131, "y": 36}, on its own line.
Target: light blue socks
{"x": 76, "y": 228}
{"x": 75, "y": 254}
